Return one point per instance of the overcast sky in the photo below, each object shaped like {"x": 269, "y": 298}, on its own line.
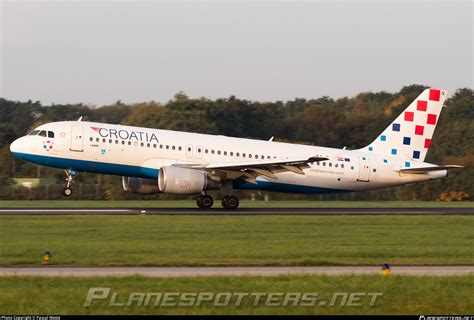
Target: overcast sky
{"x": 99, "y": 52}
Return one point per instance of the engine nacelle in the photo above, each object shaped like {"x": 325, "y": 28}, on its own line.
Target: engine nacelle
{"x": 184, "y": 181}
{"x": 140, "y": 185}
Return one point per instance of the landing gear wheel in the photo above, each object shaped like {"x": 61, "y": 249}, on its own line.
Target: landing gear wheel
{"x": 199, "y": 201}
{"x": 204, "y": 201}
{"x": 230, "y": 202}
{"x": 67, "y": 192}
{"x": 207, "y": 201}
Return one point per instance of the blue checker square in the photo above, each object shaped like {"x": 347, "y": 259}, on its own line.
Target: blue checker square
{"x": 396, "y": 127}
{"x": 407, "y": 164}
{"x": 383, "y": 138}
{"x": 394, "y": 151}
{"x": 371, "y": 149}
{"x": 406, "y": 140}
{"x": 416, "y": 154}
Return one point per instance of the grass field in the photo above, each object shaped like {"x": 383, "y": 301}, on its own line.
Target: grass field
{"x": 237, "y": 240}
{"x": 243, "y": 204}
{"x": 400, "y": 294}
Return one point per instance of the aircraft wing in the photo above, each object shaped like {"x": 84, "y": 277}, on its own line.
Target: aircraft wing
{"x": 250, "y": 170}
{"x": 427, "y": 169}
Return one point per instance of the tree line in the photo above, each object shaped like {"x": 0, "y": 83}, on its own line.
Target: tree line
{"x": 351, "y": 122}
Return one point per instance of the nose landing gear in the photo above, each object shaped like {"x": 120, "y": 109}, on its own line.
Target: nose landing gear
{"x": 70, "y": 174}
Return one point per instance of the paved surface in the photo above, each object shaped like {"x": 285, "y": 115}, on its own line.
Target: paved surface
{"x": 242, "y": 211}
{"x": 231, "y": 271}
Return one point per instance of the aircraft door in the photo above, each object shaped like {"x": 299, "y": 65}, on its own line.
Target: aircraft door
{"x": 364, "y": 169}
{"x": 77, "y": 138}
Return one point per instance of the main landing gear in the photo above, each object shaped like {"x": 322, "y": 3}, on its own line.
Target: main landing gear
{"x": 70, "y": 174}
{"x": 205, "y": 201}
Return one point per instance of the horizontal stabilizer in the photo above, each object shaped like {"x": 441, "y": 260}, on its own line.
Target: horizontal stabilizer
{"x": 427, "y": 169}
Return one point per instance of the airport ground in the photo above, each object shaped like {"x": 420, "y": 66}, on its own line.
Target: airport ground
{"x": 401, "y": 294}
{"x": 207, "y": 240}
{"x": 243, "y": 204}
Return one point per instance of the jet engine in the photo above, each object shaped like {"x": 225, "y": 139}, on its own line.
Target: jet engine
{"x": 140, "y": 185}
{"x": 179, "y": 180}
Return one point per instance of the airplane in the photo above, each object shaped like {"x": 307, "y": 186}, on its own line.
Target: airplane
{"x": 183, "y": 163}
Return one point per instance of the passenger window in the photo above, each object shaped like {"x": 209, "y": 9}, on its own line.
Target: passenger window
{"x": 103, "y": 140}
{"x": 262, "y": 157}
{"x": 243, "y": 155}
{"x": 97, "y": 139}
{"x": 42, "y": 133}
{"x": 342, "y": 165}
{"x": 161, "y": 146}
{"x": 91, "y": 139}
{"x": 154, "y": 145}
{"x": 231, "y": 153}
{"x": 130, "y": 143}
{"x": 250, "y": 156}
{"x": 225, "y": 153}
{"x": 50, "y": 134}
{"x": 173, "y": 147}
{"x": 110, "y": 140}
{"x": 179, "y": 148}
{"x": 212, "y": 151}
{"x": 116, "y": 141}
{"x": 147, "y": 145}
{"x": 167, "y": 147}
{"x": 237, "y": 154}
{"x": 330, "y": 164}
{"x": 142, "y": 144}
{"x": 218, "y": 152}
{"x": 123, "y": 141}
{"x": 206, "y": 151}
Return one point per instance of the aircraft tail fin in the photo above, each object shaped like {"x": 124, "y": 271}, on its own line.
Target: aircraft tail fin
{"x": 409, "y": 135}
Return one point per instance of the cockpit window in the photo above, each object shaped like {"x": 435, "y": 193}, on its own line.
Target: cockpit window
{"x": 42, "y": 133}
{"x": 50, "y": 134}
{"x": 34, "y": 132}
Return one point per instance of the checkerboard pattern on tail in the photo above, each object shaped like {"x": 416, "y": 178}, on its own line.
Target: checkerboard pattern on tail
{"x": 409, "y": 135}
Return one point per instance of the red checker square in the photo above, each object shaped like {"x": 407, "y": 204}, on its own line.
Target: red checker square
{"x": 421, "y": 105}
{"x": 434, "y": 94}
{"x": 419, "y": 130}
{"x": 408, "y": 116}
{"x": 427, "y": 143}
{"x": 431, "y": 119}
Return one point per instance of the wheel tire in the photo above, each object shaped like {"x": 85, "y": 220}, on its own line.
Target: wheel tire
{"x": 207, "y": 202}
{"x": 224, "y": 202}
{"x": 199, "y": 201}
{"x": 67, "y": 192}
{"x": 232, "y": 203}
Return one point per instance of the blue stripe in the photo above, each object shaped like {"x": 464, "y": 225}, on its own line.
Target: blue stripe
{"x": 284, "y": 187}
{"x": 90, "y": 166}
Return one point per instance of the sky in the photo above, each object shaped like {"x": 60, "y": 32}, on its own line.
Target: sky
{"x": 98, "y": 52}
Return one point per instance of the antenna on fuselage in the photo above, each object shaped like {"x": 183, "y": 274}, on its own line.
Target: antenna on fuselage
{"x": 80, "y": 119}
{"x": 344, "y": 148}
{"x": 271, "y": 139}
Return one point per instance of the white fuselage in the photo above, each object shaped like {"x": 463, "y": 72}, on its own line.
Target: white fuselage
{"x": 141, "y": 152}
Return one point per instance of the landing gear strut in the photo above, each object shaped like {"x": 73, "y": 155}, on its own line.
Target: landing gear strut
{"x": 204, "y": 201}
{"x": 67, "y": 191}
{"x": 230, "y": 202}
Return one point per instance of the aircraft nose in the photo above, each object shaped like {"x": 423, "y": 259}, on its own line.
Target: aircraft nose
{"x": 18, "y": 146}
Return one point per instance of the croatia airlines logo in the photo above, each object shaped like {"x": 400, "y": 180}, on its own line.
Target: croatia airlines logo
{"x": 48, "y": 145}
{"x": 141, "y": 136}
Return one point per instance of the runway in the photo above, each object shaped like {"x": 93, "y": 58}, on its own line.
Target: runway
{"x": 160, "y": 272}
{"x": 242, "y": 211}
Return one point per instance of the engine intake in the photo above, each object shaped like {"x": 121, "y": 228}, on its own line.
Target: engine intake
{"x": 184, "y": 181}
